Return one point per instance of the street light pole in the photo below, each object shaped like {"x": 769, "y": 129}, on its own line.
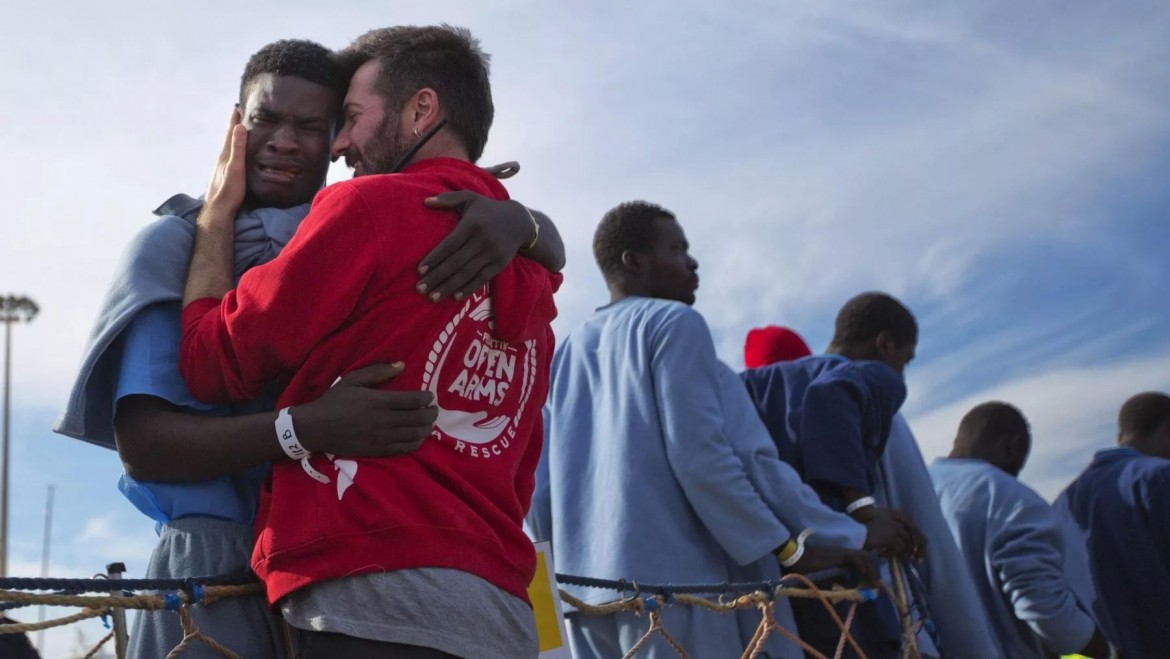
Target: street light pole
{"x": 13, "y": 309}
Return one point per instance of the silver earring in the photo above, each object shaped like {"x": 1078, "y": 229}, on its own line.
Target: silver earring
{"x": 416, "y": 133}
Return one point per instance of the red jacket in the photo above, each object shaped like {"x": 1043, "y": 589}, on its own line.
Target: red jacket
{"x": 341, "y": 296}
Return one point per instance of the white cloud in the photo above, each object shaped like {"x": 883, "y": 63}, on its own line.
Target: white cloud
{"x": 105, "y": 539}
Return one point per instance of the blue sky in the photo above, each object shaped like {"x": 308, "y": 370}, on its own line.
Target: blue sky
{"x": 1001, "y": 168}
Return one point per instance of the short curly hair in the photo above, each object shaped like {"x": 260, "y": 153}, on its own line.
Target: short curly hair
{"x": 989, "y": 423}
{"x": 444, "y": 58}
{"x": 867, "y": 315}
{"x": 1142, "y": 415}
{"x": 628, "y": 226}
{"x": 299, "y": 58}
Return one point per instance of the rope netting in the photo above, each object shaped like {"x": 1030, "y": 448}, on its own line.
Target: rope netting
{"x": 178, "y": 595}
{"x": 99, "y": 597}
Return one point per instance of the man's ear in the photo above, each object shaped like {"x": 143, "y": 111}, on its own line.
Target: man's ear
{"x": 885, "y": 343}
{"x": 425, "y": 107}
{"x": 633, "y": 261}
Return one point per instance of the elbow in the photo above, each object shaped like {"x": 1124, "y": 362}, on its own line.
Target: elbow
{"x": 139, "y": 471}
{"x": 1066, "y": 636}
{"x": 1055, "y": 617}
{"x": 557, "y": 260}
{"x": 137, "y": 459}
{"x": 137, "y": 435}
{"x": 143, "y": 463}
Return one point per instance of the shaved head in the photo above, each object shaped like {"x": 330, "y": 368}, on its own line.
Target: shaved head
{"x": 995, "y": 432}
{"x": 1144, "y": 423}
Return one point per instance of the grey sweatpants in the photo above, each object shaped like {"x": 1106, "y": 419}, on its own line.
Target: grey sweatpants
{"x": 201, "y": 547}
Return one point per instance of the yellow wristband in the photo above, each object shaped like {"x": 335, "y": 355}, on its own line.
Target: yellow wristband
{"x": 787, "y": 550}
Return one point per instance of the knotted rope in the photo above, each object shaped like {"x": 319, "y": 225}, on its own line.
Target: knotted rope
{"x": 643, "y": 599}
{"x": 191, "y": 634}
{"x": 762, "y": 598}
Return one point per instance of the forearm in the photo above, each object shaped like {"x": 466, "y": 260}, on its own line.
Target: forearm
{"x": 863, "y": 514}
{"x": 210, "y": 271}
{"x": 549, "y": 250}
{"x": 798, "y": 507}
{"x": 839, "y": 497}
{"x": 171, "y": 446}
{"x": 159, "y": 441}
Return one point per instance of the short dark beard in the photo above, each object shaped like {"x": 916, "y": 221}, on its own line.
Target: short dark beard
{"x": 382, "y": 153}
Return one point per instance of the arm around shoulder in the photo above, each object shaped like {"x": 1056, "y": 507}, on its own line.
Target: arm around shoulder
{"x": 547, "y": 249}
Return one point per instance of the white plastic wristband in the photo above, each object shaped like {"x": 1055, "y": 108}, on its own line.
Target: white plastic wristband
{"x": 313, "y": 473}
{"x": 287, "y": 435}
{"x": 857, "y": 505}
{"x": 799, "y": 553}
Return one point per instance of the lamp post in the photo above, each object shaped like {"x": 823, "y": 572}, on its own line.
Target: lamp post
{"x": 13, "y": 309}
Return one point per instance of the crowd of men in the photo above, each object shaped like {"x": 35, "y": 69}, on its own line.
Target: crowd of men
{"x": 352, "y": 391}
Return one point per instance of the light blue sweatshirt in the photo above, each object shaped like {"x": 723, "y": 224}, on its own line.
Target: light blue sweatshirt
{"x": 638, "y": 479}
{"x": 1014, "y": 547}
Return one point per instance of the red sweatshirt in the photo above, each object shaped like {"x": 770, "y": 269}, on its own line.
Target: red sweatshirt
{"x": 340, "y": 297}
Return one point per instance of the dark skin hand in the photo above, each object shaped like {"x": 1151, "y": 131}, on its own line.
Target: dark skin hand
{"x": 158, "y": 442}
{"x": 489, "y": 235}
{"x": 817, "y": 559}
{"x": 891, "y": 531}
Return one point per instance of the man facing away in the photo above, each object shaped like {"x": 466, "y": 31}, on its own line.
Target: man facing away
{"x": 830, "y": 416}
{"x": 1121, "y": 506}
{"x": 947, "y": 595}
{"x": 420, "y": 555}
{"x": 1012, "y": 540}
{"x": 650, "y": 472}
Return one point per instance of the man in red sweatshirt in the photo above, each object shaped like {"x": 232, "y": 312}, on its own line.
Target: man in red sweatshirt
{"x": 421, "y": 555}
